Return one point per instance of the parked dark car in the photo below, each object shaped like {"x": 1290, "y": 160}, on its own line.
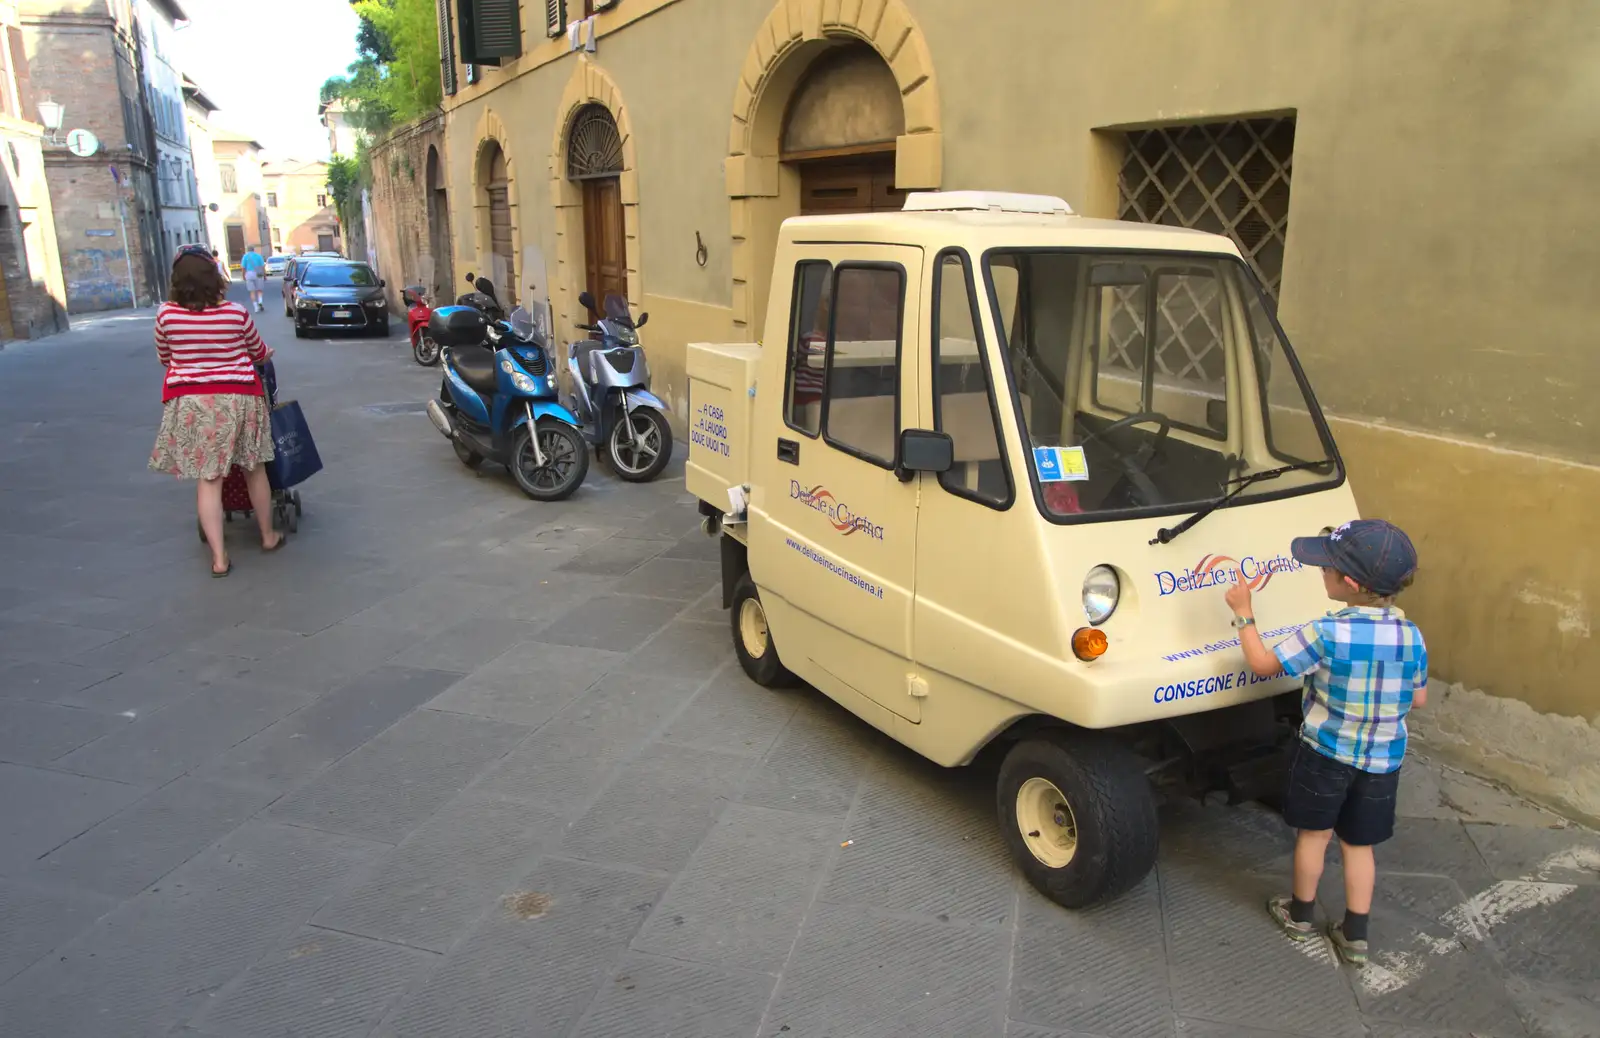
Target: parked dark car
{"x": 335, "y": 295}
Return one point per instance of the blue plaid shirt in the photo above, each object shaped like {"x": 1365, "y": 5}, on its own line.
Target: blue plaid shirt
{"x": 1362, "y": 666}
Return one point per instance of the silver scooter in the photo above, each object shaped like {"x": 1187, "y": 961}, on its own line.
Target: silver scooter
{"x": 610, "y": 393}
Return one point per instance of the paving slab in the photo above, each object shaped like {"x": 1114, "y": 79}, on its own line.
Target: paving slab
{"x": 125, "y": 853}
{"x": 669, "y": 999}
{"x": 386, "y": 788}
{"x": 38, "y": 733}
{"x": 294, "y": 749}
{"x": 46, "y": 682}
{"x": 319, "y": 982}
{"x": 740, "y": 899}
{"x": 528, "y": 683}
{"x": 616, "y": 623}
{"x": 732, "y": 714}
{"x": 138, "y": 969}
{"x": 817, "y": 762}
{"x": 451, "y": 869}
{"x": 44, "y": 809}
{"x": 37, "y": 917}
{"x": 535, "y": 962}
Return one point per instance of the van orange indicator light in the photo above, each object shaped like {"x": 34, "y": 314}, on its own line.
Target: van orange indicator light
{"x": 1088, "y": 643}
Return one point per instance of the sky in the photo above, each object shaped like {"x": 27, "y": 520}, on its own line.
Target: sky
{"x": 263, "y": 65}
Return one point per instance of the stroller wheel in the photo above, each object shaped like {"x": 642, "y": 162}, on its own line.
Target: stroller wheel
{"x": 292, "y": 519}
{"x": 297, "y": 509}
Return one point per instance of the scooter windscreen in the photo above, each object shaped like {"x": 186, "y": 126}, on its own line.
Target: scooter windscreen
{"x": 617, "y": 310}
{"x": 523, "y": 325}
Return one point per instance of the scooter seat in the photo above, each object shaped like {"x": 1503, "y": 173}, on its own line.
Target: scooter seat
{"x": 475, "y": 365}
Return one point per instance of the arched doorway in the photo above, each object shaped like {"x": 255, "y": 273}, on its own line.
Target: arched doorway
{"x": 840, "y": 130}
{"x": 442, "y": 276}
{"x": 594, "y": 162}
{"x": 496, "y": 182}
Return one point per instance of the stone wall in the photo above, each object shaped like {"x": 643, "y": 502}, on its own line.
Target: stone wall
{"x": 404, "y": 244}
{"x": 34, "y": 292}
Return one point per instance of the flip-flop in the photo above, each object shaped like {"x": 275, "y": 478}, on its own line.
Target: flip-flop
{"x": 219, "y": 574}
{"x": 283, "y": 539}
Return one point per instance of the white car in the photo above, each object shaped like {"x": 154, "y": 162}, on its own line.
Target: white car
{"x": 276, "y": 263}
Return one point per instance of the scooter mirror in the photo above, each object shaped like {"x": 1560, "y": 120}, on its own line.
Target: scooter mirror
{"x": 588, "y": 301}
{"x": 470, "y": 279}
{"x": 644, "y": 319}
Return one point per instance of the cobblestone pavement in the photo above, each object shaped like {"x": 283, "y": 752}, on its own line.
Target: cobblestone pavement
{"x": 456, "y": 763}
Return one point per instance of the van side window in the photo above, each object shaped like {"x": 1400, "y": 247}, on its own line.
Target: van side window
{"x": 808, "y": 344}
{"x": 963, "y": 396}
{"x": 861, "y": 412}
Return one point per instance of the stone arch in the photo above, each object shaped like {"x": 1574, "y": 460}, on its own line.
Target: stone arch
{"x": 761, "y": 191}
{"x": 491, "y": 136}
{"x": 589, "y": 84}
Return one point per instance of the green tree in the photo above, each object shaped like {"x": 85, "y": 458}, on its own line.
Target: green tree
{"x": 345, "y": 180}
{"x": 396, "y": 77}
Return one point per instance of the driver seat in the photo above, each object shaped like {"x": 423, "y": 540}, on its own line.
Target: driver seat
{"x": 475, "y": 365}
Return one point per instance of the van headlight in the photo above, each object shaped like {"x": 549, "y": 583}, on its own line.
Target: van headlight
{"x": 1101, "y": 589}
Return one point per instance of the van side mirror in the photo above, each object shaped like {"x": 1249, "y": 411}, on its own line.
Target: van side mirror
{"x": 643, "y": 320}
{"x": 923, "y": 450}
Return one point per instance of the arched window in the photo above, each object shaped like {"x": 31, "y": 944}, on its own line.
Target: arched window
{"x": 594, "y": 148}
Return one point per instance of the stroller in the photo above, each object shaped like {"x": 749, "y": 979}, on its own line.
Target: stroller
{"x": 295, "y": 461}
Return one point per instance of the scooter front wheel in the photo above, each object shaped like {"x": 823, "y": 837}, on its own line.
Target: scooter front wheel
{"x": 424, "y": 349}
{"x": 640, "y": 460}
{"x": 566, "y": 460}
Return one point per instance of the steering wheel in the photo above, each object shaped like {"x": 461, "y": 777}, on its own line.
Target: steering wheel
{"x": 1135, "y": 464}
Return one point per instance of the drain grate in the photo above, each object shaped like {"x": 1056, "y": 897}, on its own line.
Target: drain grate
{"x": 405, "y": 407}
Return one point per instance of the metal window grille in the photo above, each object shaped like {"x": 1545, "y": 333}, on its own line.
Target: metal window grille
{"x": 1228, "y": 178}
{"x": 594, "y": 148}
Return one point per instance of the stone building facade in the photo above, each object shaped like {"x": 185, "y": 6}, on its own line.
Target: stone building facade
{"x": 1426, "y": 264}
{"x": 84, "y": 55}
{"x": 32, "y": 293}
{"x": 410, "y": 201}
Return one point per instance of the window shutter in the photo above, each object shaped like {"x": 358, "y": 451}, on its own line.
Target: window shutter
{"x": 499, "y": 28}
{"x": 472, "y": 54}
{"x": 601, "y": 5}
{"x": 555, "y": 17}
{"x": 447, "y": 49}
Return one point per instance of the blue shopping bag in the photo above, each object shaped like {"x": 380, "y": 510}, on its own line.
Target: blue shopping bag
{"x": 297, "y": 459}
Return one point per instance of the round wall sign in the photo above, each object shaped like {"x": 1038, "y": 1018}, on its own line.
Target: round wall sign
{"x": 82, "y": 143}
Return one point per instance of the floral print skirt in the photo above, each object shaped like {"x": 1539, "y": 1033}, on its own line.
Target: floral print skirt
{"x": 203, "y": 436}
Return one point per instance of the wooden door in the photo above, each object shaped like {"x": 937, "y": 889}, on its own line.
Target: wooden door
{"x": 605, "y": 250}
{"x": 500, "y": 229}
{"x": 235, "y": 242}
{"x": 849, "y": 185}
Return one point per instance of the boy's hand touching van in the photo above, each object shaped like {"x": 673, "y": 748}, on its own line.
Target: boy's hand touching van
{"x": 1238, "y": 598}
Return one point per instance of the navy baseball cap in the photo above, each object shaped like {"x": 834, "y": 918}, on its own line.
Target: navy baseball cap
{"x": 1374, "y": 553}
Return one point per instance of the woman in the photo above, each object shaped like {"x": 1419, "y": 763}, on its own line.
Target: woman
{"x": 214, "y": 412}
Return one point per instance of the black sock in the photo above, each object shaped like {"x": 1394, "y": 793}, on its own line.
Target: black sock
{"x": 1300, "y": 911}
{"x": 1355, "y": 926}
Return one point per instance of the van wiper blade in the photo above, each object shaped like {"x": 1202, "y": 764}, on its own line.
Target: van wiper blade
{"x": 1167, "y": 535}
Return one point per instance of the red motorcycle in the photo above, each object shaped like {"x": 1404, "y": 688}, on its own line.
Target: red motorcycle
{"x": 423, "y": 348}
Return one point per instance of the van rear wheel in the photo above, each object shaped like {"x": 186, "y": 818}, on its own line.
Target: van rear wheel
{"x": 1079, "y": 816}
{"x": 752, "y": 640}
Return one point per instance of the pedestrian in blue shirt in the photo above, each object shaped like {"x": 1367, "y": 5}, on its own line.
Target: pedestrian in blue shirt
{"x": 1365, "y": 667}
{"x": 255, "y": 275}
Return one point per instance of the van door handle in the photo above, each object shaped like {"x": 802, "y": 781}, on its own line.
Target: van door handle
{"x": 789, "y": 450}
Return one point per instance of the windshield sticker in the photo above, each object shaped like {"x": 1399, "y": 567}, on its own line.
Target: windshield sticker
{"x": 1215, "y": 570}
{"x": 839, "y": 515}
{"x": 1208, "y": 685}
{"x": 837, "y": 570}
{"x": 1060, "y": 464}
{"x": 1224, "y": 646}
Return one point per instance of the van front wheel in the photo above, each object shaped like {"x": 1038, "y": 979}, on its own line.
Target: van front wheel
{"x": 1079, "y": 816}
{"x": 752, "y": 641}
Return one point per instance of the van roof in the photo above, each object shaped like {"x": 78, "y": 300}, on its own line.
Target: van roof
{"x": 982, "y": 229}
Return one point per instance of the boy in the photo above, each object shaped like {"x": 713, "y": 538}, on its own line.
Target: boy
{"x": 1365, "y": 667}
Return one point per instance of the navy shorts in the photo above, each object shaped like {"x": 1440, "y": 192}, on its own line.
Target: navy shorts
{"x": 1324, "y": 793}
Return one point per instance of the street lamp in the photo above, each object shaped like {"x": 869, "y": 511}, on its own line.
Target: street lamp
{"x": 52, "y": 115}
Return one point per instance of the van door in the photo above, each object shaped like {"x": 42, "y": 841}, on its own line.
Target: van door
{"x": 838, "y": 543}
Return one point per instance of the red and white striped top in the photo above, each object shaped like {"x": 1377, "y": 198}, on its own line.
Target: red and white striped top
{"x": 215, "y": 350}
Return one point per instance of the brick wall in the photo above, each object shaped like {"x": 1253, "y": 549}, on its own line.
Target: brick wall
{"x": 85, "y": 64}
{"x": 404, "y": 245}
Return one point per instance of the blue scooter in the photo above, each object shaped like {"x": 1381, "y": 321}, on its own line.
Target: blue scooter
{"x": 498, "y": 400}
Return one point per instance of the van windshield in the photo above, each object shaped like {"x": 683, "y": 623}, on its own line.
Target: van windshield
{"x": 1150, "y": 383}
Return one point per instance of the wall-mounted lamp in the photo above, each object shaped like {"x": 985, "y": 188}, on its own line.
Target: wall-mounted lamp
{"x": 52, "y": 115}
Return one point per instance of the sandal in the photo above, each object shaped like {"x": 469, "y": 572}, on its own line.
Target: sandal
{"x": 282, "y": 539}
{"x": 218, "y": 574}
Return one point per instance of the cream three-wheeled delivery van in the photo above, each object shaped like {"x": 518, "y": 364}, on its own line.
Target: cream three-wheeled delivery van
{"x": 983, "y": 482}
